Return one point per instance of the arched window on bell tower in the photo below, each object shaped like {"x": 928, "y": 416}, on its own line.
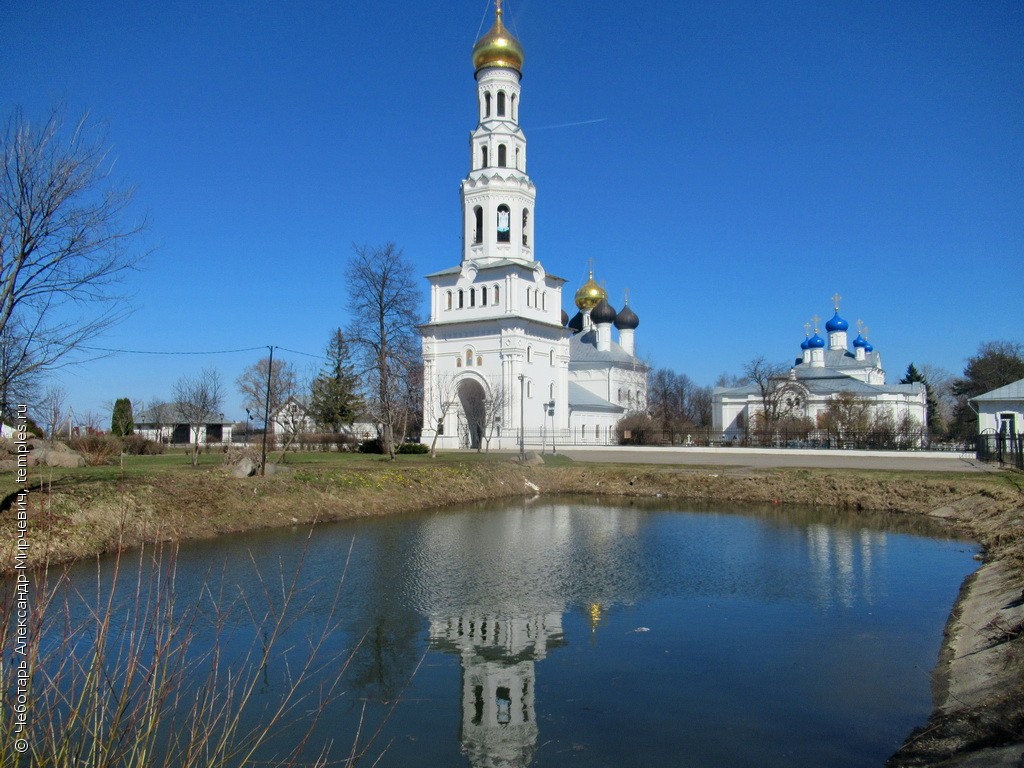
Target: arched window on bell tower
{"x": 501, "y": 103}
{"x": 512, "y": 111}
{"x": 502, "y": 155}
{"x": 483, "y": 156}
{"x": 478, "y": 230}
{"x": 487, "y": 105}
{"x": 526, "y": 221}
{"x": 504, "y": 224}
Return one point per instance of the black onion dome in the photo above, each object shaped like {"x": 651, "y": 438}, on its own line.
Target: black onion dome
{"x": 627, "y": 319}
{"x": 576, "y": 324}
{"x": 565, "y": 318}
{"x": 603, "y": 313}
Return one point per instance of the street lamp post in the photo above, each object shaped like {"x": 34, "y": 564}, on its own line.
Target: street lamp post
{"x": 551, "y": 412}
{"x": 522, "y": 417}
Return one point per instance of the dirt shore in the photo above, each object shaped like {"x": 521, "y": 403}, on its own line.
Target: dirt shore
{"x": 979, "y": 680}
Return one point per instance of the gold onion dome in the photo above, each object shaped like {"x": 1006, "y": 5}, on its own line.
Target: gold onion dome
{"x": 590, "y": 295}
{"x": 498, "y": 48}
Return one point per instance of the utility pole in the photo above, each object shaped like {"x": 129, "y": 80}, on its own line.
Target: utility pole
{"x": 522, "y": 418}
{"x": 266, "y": 414}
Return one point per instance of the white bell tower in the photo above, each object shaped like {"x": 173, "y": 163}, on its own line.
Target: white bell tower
{"x": 497, "y": 195}
{"x": 495, "y": 349}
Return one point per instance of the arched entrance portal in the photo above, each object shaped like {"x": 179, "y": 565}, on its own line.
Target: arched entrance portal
{"x": 471, "y": 398}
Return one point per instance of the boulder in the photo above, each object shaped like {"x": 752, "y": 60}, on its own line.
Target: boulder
{"x": 245, "y": 467}
{"x": 64, "y": 458}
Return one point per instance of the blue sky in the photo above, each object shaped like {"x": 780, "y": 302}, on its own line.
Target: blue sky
{"x": 732, "y": 164}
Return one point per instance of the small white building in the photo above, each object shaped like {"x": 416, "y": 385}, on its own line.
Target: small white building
{"x": 165, "y": 424}
{"x": 1001, "y": 411}
{"x": 292, "y": 417}
{"x": 824, "y": 370}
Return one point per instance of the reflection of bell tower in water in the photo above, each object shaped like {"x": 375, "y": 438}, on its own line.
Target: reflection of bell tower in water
{"x": 498, "y": 654}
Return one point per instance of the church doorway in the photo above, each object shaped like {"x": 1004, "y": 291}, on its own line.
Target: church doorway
{"x": 471, "y": 398}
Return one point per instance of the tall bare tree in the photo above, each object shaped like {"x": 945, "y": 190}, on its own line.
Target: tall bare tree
{"x": 780, "y": 395}
{"x": 444, "y": 396}
{"x": 494, "y": 405}
{"x": 64, "y": 246}
{"x": 53, "y": 411}
{"x": 160, "y": 413}
{"x": 383, "y": 300}
{"x": 283, "y": 382}
{"x": 199, "y": 401}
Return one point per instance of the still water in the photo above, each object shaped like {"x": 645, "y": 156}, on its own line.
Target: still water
{"x": 582, "y": 633}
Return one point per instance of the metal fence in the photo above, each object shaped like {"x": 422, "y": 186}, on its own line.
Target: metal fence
{"x": 1001, "y": 448}
{"x": 915, "y": 440}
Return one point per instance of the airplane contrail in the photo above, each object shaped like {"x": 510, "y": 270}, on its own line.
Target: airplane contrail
{"x": 569, "y": 125}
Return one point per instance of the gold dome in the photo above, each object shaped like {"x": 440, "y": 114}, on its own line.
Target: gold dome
{"x": 589, "y": 295}
{"x": 498, "y": 48}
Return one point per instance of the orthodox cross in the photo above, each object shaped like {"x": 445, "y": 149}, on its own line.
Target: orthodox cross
{"x": 807, "y": 329}
{"x": 836, "y": 298}
{"x": 815, "y": 320}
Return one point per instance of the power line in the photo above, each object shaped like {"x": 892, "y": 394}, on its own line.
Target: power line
{"x": 153, "y": 351}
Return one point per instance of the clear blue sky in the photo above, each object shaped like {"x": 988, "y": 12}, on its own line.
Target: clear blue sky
{"x": 749, "y": 160}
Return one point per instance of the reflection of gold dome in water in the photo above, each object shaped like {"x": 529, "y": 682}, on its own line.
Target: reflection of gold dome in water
{"x": 596, "y": 610}
{"x": 590, "y": 294}
{"x": 498, "y": 48}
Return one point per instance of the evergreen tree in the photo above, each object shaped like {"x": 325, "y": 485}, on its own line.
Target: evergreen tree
{"x": 997, "y": 364}
{"x": 335, "y": 400}
{"x": 122, "y": 422}
{"x": 914, "y": 376}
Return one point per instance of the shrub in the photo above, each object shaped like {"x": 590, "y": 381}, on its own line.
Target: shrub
{"x": 637, "y": 429}
{"x": 412, "y": 448}
{"x": 371, "y": 446}
{"x": 96, "y": 449}
{"x": 137, "y": 445}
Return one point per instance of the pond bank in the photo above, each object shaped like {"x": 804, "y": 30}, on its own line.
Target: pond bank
{"x": 979, "y": 716}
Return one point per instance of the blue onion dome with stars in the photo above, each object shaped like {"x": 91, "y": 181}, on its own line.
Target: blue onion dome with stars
{"x": 603, "y": 312}
{"x": 627, "y": 320}
{"x": 860, "y": 341}
{"x": 836, "y": 323}
{"x": 815, "y": 342}
{"x": 806, "y": 343}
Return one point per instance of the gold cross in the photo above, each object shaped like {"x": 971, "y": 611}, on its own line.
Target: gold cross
{"x": 836, "y": 298}
{"x": 807, "y": 329}
{"x": 815, "y": 319}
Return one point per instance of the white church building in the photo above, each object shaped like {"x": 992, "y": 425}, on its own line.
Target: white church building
{"x": 823, "y": 370}
{"x": 501, "y": 358}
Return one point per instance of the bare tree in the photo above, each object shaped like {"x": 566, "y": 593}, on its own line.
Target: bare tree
{"x": 53, "y": 410}
{"x": 63, "y": 246}
{"x": 847, "y": 416}
{"x": 443, "y": 396}
{"x": 199, "y": 401}
{"x": 780, "y": 395}
{"x": 160, "y": 414}
{"x": 383, "y": 301}
{"x": 294, "y": 418}
{"x": 283, "y": 380}
{"x": 494, "y": 405}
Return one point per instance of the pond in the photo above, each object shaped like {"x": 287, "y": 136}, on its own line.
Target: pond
{"x": 568, "y": 631}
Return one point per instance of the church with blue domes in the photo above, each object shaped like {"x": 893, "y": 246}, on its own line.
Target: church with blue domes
{"x": 825, "y": 368}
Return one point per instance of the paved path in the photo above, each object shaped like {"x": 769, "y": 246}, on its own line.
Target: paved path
{"x": 770, "y": 458}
